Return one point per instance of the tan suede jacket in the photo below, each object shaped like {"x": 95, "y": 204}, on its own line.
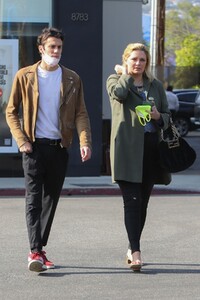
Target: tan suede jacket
{"x": 25, "y": 94}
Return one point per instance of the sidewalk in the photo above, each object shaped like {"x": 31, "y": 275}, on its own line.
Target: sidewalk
{"x": 182, "y": 183}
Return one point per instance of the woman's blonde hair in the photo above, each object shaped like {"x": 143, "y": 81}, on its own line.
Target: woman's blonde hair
{"x": 138, "y": 46}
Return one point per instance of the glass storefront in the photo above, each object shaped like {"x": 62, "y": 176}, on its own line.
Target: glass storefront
{"x": 20, "y": 23}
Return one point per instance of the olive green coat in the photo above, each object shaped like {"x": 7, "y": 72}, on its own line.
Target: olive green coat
{"x": 127, "y": 134}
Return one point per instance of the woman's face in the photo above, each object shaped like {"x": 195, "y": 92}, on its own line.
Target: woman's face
{"x": 136, "y": 63}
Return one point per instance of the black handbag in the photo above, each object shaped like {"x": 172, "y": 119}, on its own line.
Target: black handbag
{"x": 175, "y": 153}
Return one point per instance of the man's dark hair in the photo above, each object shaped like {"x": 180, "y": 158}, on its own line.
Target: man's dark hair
{"x": 49, "y": 32}
{"x": 170, "y": 88}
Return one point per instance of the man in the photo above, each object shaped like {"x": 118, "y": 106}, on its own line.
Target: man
{"x": 52, "y": 102}
{"x": 173, "y": 102}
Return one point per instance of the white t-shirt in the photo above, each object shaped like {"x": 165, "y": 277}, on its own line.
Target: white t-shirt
{"x": 47, "y": 124}
{"x": 173, "y": 102}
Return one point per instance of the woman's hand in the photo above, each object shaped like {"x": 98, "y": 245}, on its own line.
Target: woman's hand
{"x": 155, "y": 115}
{"x": 120, "y": 69}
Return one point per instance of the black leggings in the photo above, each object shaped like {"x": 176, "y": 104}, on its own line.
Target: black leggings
{"x": 136, "y": 195}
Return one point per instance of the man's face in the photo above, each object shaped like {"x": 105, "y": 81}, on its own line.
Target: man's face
{"x": 52, "y": 47}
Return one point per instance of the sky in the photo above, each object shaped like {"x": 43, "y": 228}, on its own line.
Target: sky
{"x": 146, "y": 27}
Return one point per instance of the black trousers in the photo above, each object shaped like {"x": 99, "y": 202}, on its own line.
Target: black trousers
{"x": 44, "y": 172}
{"x": 136, "y": 195}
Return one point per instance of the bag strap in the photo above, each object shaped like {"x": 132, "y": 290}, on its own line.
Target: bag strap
{"x": 171, "y": 133}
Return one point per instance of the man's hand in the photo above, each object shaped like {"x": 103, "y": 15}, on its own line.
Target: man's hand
{"x": 26, "y": 148}
{"x": 85, "y": 153}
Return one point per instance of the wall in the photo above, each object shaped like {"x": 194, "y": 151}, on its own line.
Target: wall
{"x": 122, "y": 24}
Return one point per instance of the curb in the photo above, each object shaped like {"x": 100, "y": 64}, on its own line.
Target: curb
{"x": 97, "y": 192}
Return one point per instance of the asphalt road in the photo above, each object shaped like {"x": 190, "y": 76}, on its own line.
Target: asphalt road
{"x": 88, "y": 244}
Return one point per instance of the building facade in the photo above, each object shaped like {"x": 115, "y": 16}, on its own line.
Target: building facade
{"x": 96, "y": 32}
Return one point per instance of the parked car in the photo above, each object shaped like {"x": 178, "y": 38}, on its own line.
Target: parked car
{"x": 184, "y": 119}
{"x": 197, "y": 110}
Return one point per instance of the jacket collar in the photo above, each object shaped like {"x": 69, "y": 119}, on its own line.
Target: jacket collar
{"x": 67, "y": 81}
{"x": 67, "y": 78}
{"x": 31, "y": 74}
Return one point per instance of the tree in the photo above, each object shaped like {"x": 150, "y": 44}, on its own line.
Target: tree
{"x": 181, "y": 23}
{"x": 182, "y": 45}
{"x": 189, "y": 53}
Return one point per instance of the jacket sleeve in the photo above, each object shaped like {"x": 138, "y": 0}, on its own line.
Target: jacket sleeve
{"x": 118, "y": 86}
{"x": 157, "y": 92}
{"x": 164, "y": 110}
{"x": 12, "y": 113}
{"x": 82, "y": 119}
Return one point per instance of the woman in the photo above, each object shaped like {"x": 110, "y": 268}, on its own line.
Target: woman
{"x": 134, "y": 155}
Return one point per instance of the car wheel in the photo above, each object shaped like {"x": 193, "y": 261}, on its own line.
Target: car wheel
{"x": 182, "y": 126}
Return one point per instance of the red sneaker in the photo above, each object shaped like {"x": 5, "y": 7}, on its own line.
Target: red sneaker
{"x": 49, "y": 264}
{"x": 36, "y": 262}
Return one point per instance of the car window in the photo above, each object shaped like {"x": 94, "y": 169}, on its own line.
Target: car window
{"x": 188, "y": 97}
{"x": 197, "y": 99}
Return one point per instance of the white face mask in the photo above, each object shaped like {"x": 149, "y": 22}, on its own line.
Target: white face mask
{"x": 50, "y": 61}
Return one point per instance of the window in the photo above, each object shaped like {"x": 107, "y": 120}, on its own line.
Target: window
{"x": 20, "y": 23}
